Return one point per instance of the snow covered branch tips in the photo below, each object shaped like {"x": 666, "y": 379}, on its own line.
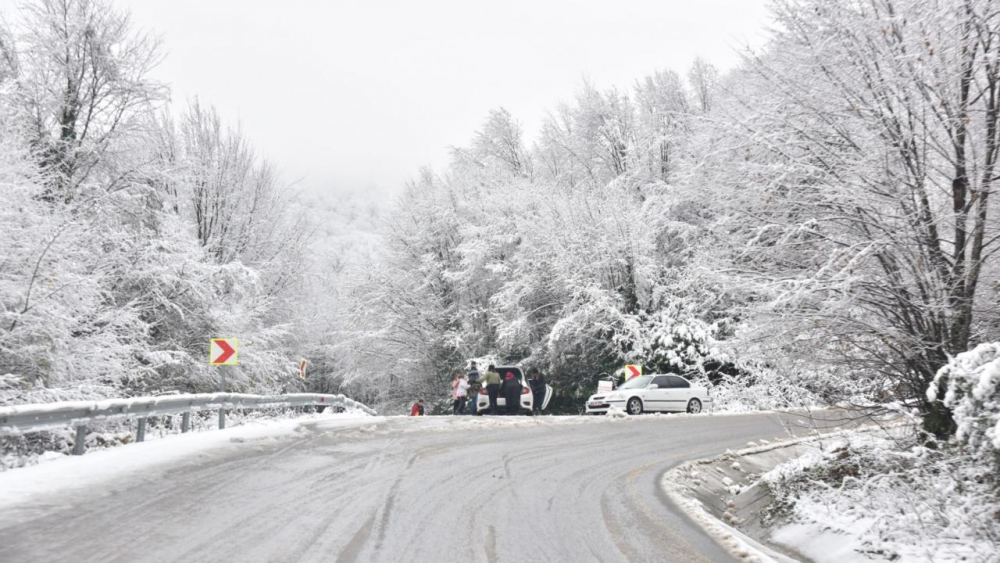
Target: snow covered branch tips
{"x": 970, "y": 385}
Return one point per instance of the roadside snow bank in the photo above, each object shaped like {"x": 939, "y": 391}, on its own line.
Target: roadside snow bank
{"x": 31, "y": 448}
{"x": 61, "y": 473}
{"x": 869, "y": 497}
{"x": 729, "y": 496}
{"x": 714, "y": 493}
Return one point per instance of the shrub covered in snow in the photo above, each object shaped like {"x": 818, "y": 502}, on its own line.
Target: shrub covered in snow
{"x": 971, "y": 386}
{"x": 732, "y": 394}
{"x": 877, "y": 498}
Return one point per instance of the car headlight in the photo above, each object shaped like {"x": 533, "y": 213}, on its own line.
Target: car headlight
{"x": 614, "y": 396}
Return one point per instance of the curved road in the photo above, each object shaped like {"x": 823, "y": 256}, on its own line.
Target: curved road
{"x": 434, "y": 489}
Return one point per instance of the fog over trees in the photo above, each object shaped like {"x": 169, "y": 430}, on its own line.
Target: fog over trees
{"x": 813, "y": 226}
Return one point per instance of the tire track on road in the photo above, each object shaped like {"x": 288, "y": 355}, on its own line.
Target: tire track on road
{"x": 530, "y": 491}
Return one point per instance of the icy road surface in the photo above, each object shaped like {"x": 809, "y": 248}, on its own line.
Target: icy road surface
{"x": 432, "y": 489}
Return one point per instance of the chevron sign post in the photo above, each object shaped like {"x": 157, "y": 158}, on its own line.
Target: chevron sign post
{"x": 223, "y": 352}
{"x": 632, "y": 371}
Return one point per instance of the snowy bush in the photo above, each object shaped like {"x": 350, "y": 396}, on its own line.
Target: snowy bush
{"x": 884, "y": 498}
{"x": 733, "y": 394}
{"x": 668, "y": 340}
{"x": 971, "y": 386}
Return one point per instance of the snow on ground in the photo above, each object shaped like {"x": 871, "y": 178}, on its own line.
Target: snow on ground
{"x": 867, "y": 498}
{"x": 66, "y": 473}
{"x": 57, "y": 471}
{"x": 697, "y": 484}
{"x": 519, "y": 488}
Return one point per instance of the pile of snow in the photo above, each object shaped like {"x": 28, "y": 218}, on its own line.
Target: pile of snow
{"x": 971, "y": 385}
{"x": 615, "y": 412}
{"x": 35, "y": 447}
{"x": 867, "y": 498}
{"x": 63, "y": 473}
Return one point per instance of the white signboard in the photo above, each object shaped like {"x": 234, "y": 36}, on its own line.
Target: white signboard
{"x": 604, "y": 386}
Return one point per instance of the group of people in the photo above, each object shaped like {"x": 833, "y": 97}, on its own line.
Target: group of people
{"x": 508, "y": 385}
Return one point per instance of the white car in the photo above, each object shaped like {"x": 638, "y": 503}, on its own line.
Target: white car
{"x": 596, "y": 404}
{"x": 527, "y": 397}
{"x": 664, "y": 393}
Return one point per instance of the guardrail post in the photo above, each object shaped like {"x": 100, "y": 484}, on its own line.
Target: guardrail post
{"x": 140, "y": 436}
{"x": 222, "y": 418}
{"x": 185, "y": 422}
{"x": 80, "y": 444}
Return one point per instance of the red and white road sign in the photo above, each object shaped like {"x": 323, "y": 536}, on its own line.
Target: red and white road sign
{"x": 223, "y": 352}
{"x": 632, "y": 371}
{"x": 302, "y": 368}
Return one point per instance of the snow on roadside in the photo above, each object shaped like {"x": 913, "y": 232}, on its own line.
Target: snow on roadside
{"x": 62, "y": 473}
{"x": 58, "y": 472}
{"x": 448, "y": 423}
{"x": 683, "y": 484}
{"x": 868, "y": 498}
{"x": 739, "y": 545}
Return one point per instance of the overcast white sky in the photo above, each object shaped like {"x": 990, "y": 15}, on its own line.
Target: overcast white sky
{"x": 359, "y": 94}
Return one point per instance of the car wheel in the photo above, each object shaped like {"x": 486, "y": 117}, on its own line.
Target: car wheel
{"x": 634, "y": 406}
{"x": 694, "y": 406}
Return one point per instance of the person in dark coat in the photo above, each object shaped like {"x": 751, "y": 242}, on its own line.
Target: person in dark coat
{"x": 511, "y": 390}
{"x": 537, "y": 383}
{"x": 474, "y": 387}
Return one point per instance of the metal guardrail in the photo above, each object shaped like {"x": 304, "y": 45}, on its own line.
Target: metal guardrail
{"x": 22, "y": 419}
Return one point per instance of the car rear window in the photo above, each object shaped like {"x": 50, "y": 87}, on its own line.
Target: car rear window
{"x": 678, "y": 382}
{"x": 662, "y": 381}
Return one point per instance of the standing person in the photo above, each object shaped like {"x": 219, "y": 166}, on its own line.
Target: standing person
{"x": 418, "y": 408}
{"x": 474, "y": 387}
{"x": 461, "y": 392}
{"x": 512, "y": 392}
{"x": 492, "y": 382}
{"x": 537, "y": 390}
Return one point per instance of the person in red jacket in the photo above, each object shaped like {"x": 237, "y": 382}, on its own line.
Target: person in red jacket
{"x": 418, "y": 408}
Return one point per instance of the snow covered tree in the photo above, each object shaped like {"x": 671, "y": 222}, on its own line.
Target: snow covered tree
{"x": 127, "y": 241}
{"x": 500, "y": 144}
{"x": 861, "y": 188}
{"x": 577, "y": 268}
{"x": 704, "y": 79}
{"x": 82, "y": 79}
{"x": 663, "y": 107}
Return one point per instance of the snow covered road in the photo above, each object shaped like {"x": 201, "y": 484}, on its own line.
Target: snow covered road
{"x": 399, "y": 489}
